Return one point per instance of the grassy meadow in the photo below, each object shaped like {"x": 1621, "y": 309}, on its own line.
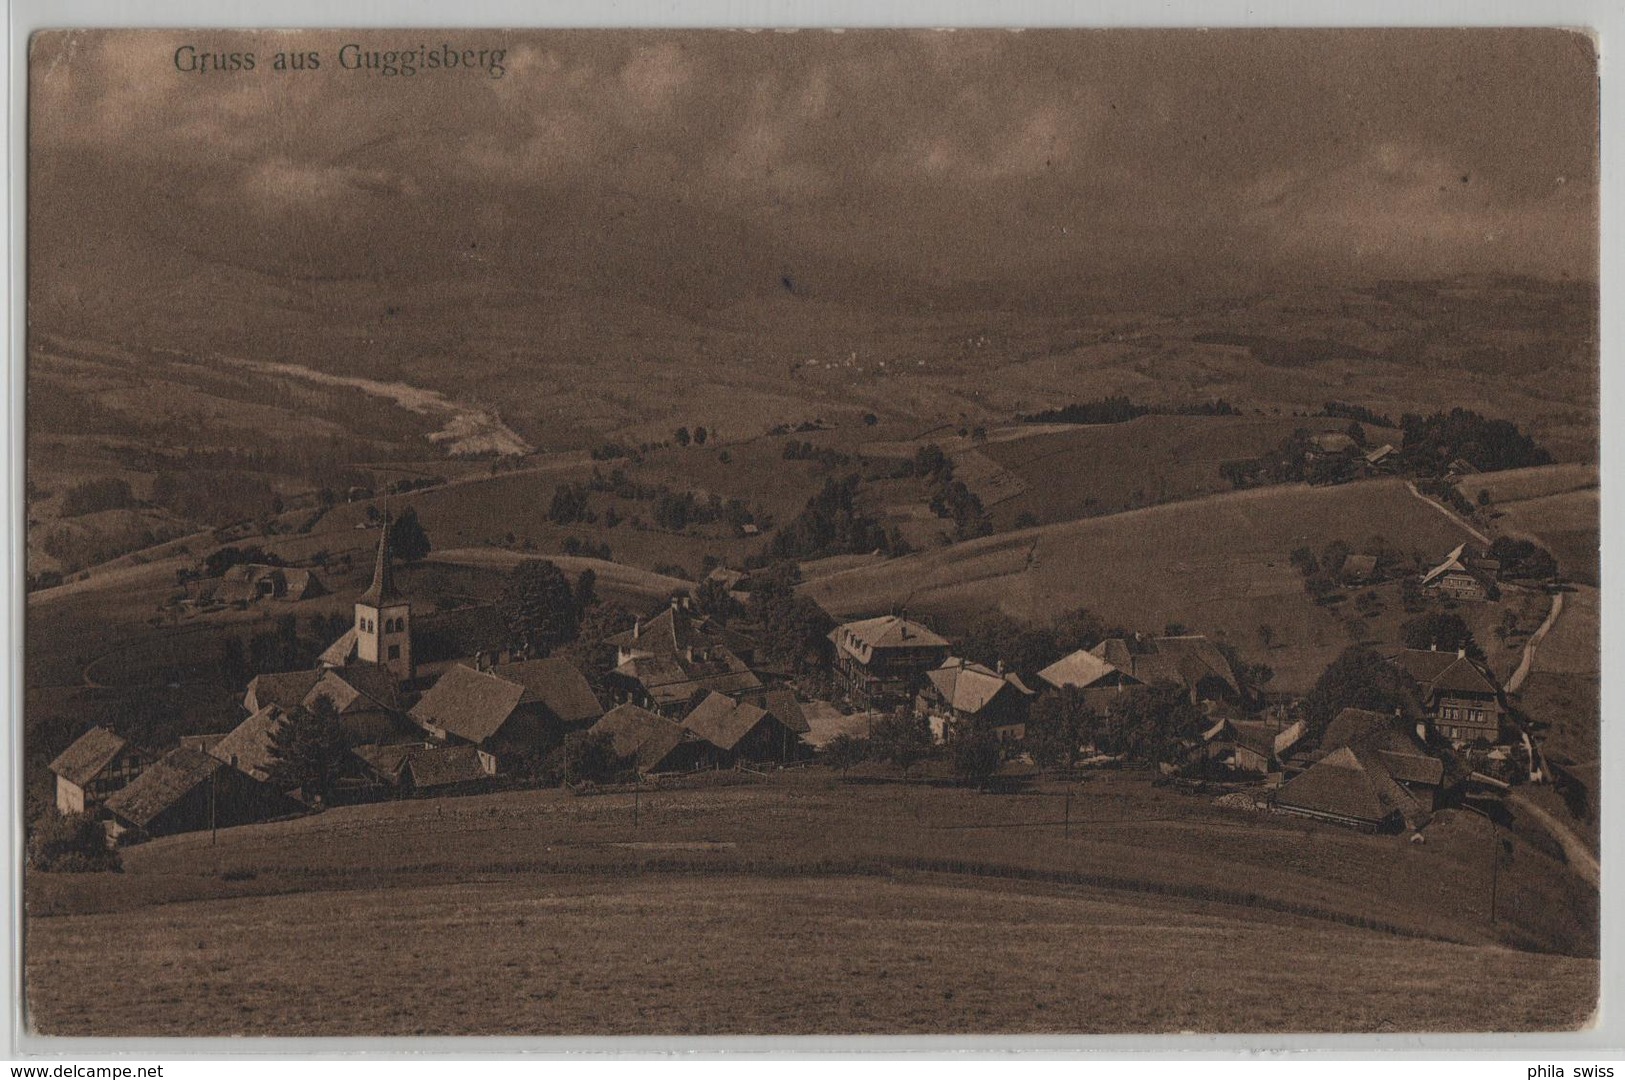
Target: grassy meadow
{"x": 802, "y": 887}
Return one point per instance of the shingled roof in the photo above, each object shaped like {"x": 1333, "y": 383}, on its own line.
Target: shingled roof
{"x": 863, "y": 637}
{"x": 1441, "y": 670}
{"x": 248, "y": 745}
{"x": 783, "y": 705}
{"x": 969, "y": 687}
{"x": 555, "y": 684}
{"x": 164, "y": 783}
{"x": 1350, "y": 785}
{"x": 641, "y": 735}
{"x": 88, "y": 756}
{"x": 1185, "y": 659}
{"x": 284, "y": 689}
{"x": 722, "y": 721}
{"x": 443, "y": 766}
{"x": 1081, "y": 669}
{"x": 470, "y": 704}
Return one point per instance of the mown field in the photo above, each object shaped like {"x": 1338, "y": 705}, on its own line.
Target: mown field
{"x": 707, "y": 955}
{"x": 805, "y": 904}
{"x": 1217, "y": 565}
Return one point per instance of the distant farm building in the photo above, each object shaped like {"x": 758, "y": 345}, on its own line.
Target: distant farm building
{"x": 883, "y": 661}
{"x": 1461, "y": 700}
{"x": 1351, "y": 787}
{"x": 248, "y": 582}
{"x": 366, "y": 699}
{"x": 98, "y": 764}
{"x": 1463, "y": 575}
{"x": 1189, "y": 661}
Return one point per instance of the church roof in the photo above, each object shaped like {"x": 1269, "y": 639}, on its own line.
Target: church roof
{"x": 382, "y": 590}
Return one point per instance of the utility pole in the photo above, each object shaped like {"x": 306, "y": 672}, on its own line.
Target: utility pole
{"x": 213, "y": 777}
{"x": 636, "y": 789}
{"x": 1067, "y": 828}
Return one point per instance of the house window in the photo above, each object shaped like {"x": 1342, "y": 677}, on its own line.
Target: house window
{"x": 394, "y": 652}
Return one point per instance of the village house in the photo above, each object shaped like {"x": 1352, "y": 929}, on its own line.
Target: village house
{"x": 883, "y": 662}
{"x": 1380, "y": 458}
{"x": 652, "y": 743}
{"x": 1460, "y": 699}
{"x": 1464, "y": 574}
{"x": 1261, "y": 746}
{"x": 187, "y": 790}
{"x": 961, "y": 691}
{"x": 248, "y": 746}
{"x": 741, "y": 732}
{"x": 1189, "y": 661}
{"x": 98, "y": 763}
{"x": 507, "y": 719}
{"x": 366, "y": 699}
{"x": 1351, "y": 787}
{"x": 665, "y": 662}
{"x": 422, "y": 769}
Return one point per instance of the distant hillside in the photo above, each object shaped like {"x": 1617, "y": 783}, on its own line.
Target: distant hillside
{"x": 1218, "y": 564}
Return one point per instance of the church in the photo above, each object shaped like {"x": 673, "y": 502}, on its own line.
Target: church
{"x": 381, "y": 635}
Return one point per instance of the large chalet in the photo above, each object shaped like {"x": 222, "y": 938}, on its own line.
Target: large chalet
{"x": 884, "y": 661}
{"x": 1461, "y": 700}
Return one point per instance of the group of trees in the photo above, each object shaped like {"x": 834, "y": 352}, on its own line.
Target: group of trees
{"x": 833, "y": 524}
{"x": 94, "y": 496}
{"x": 1118, "y": 409}
{"x": 1433, "y": 442}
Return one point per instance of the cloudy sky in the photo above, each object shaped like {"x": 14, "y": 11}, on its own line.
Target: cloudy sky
{"x": 1221, "y": 159}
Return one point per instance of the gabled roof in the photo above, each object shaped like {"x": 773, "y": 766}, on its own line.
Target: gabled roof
{"x": 1439, "y": 671}
{"x": 387, "y": 760}
{"x": 556, "y": 684}
{"x": 969, "y": 687}
{"x": 470, "y": 704}
{"x": 356, "y": 688}
{"x": 670, "y": 680}
{"x": 339, "y": 653}
{"x": 88, "y": 756}
{"x": 1423, "y": 665}
{"x": 445, "y": 765}
{"x": 825, "y": 723}
{"x": 862, "y": 638}
{"x": 1081, "y": 669}
{"x": 163, "y": 784}
{"x": 1186, "y": 659}
{"x": 248, "y": 745}
{"x": 641, "y": 735}
{"x": 722, "y": 721}
{"x": 783, "y": 705}
{"x": 1463, "y": 677}
{"x": 1412, "y": 768}
{"x": 284, "y": 689}
{"x": 1359, "y": 566}
{"x": 675, "y": 630}
{"x": 1256, "y": 735}
{"x": 1375, "y": 455}
{"x": 1349, "y": 785}
{"x": 1459, "y": 560}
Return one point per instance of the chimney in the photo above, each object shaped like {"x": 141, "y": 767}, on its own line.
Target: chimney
{"x": 637, "y": 628}
{"x": 1422, "y": 730}
{"x": 999, "y": 667}
{"x": 1461, "y": 653}
{"x": 1433, "y": 647}
{"x": 676, "y": 602}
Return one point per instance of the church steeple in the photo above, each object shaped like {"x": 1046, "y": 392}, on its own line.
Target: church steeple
{"x": 383, "y": 617}
{"x": 382, "y": 591}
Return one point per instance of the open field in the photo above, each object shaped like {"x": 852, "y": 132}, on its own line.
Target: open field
{"x": 1556, "y": 505}
{"x": 1095, "y": 469}
{"x": 780, "y": 895}
{"x": 725, "y": 954}
{"x": 1218, "y": 565}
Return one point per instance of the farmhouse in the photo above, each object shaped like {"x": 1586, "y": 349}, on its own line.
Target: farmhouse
{"x": 554, "y": 691}
{"x": 665, "y": 662}
{"x": 653, "y": 743}
{"x": 1189, "y": 661}
{"x": 884, "y": 661}
{"x": 98, "y": 763}
{"x": 504, "y": 718}
{"x": 1463, "y": 575}
{"x": 960, "y": 690}
{"x": 1380, "y": 457}
{"x": 1351, "y": 787}
{"x": 366, "y": 699}
{"x": 1259, "y": 746}
{"x": 187, "y": 790}
{"x": 1461, "y": 700}
{"x": 249, "y": 582}
{"x": 740, "y": 731}
{"x": 1398, "y": 750}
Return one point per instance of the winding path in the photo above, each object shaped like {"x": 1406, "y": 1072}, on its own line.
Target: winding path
{"x": 1447, "y": 512}
{"x": 1574, "y": 849}
{"x": 1533, "y": 643}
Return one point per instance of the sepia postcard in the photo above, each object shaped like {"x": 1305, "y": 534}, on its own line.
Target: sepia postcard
{"x": 656, "y": 532}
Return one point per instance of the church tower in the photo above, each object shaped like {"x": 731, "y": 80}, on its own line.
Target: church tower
{"x": 383, "y": 619}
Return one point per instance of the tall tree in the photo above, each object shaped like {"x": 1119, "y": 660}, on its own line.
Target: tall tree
{"x": 407, "y": 540}
{"x": 1059, "y": 723}
{"x": 539, "y": 606}
{"x": 308, "y": 750}
{"x": 1358, "y": 679}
